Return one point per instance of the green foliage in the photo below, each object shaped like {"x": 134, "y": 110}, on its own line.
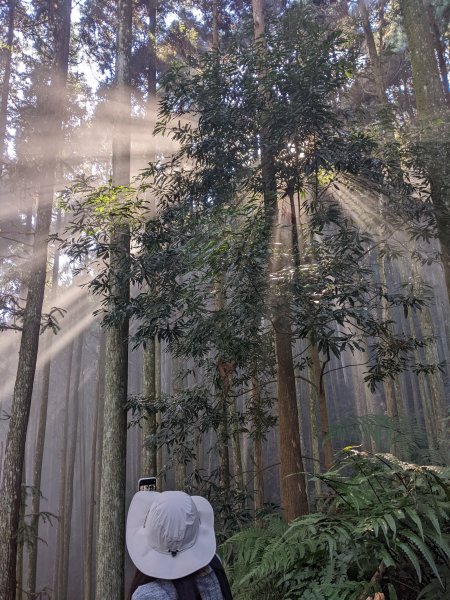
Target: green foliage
{"x": 386, "y": 528}
{"x": 403, "y": 435}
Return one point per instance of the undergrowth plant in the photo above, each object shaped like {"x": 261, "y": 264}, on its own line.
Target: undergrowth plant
{"x": 385, "y": 528}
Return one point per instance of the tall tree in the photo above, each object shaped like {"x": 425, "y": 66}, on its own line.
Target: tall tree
{"x": 96, "y": 440}
{"x": 293, "y": 482}
{"x": 57, "y": 574}
{"x": 432, "y": 115}
{"x": 40, "y": 439}
{"x": 51, "y": 111}
{"x": 7, "y": 51}
{"x": 70, "y": 470}
{"x": 149, "y": 453}
{"x": 111, "y": 538}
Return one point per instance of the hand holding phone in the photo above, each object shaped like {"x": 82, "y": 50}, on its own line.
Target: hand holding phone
{"x": 147, "y": 484}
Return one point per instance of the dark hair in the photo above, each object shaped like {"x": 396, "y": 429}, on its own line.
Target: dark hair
{"x": 185, "y": 587}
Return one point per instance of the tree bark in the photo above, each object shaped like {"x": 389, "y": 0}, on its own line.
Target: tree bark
{"x": 236, "y": 447}
{"x": 111, "y": 538}
{"x": 63, "y": 476}
{"x": 323, "y": 409}
{"x": 427, "y": 82}
{"x": 70, "y": 469}
{"x": 215, "y": 25}
{"x": 373, "y": 53}
{"x": 89, "y": 554}
{"x": 293, "y": 481}
{"x": 439, "y": 48}
{"x": 51, "y": 110}
{"x": 159, "y": 451}
{"x": 433, "y": 117}
{"x": 40, "y": 441}
{"x": 258, "y": 479}
{"x": 7, "y": 51}
{"x": 148, "y": 457}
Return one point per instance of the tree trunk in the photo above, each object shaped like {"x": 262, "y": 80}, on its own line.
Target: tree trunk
{"x": 51, "y": 109}
{"x": 63, "y": 477}
{"x": 159, "y": 451}
{"x": 222, "y": 441}
{"x": 70, "y": 469}
{"x": 7, "y": 51}
{"x": 40, "y": 441}
{"x": 111, "y": 539}
{"x": 427, "y": 82}
{"x": 180, "y": 465}
{"x": 215, "y": 25}
{"x": 236, "y": 447}
{"x": 101, "y": 420}
{"x": 293, "y": 481}
{"x": 373, "y": 53}
{"x": 322, "y": 406}
{"x": 439, "y": 48}
{"x": 433, "y": 117}
{"x": 20, "y": 543}
{"x": 258, "y": 479}
{"x": 148, "y": 458}
{"x": 89, "y": 554}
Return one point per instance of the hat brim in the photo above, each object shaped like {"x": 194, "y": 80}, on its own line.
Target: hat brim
{"x": 156, "y": 564}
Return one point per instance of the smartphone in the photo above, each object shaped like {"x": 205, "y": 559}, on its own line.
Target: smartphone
{"x": 147, "y": 484}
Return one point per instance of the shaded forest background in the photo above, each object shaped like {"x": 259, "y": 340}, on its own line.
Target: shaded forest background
{"x": 224, "y": 250}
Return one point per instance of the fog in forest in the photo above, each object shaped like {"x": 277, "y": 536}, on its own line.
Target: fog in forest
{"x": 224, "y": 262}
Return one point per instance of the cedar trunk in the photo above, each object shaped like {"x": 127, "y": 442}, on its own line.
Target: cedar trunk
{"x": 111, "y": 529}
{"x": 433, "y": 117}
{"x": 89, "y": 554}
{"x": 293, "y": 481}
{"x": 7, "y": 51}
{"x": 51, "y": 109}
{"x": 40, "y": 441}
{"x": 70, "y": 469}
{"x": 63, "y": 469}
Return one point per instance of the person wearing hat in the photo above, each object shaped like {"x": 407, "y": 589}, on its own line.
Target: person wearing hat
{"x": 171, "y": 541}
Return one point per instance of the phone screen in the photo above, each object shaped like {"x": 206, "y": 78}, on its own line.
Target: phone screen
{"x": 147, "y": 484}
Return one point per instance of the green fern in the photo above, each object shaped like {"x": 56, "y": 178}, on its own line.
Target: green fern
{"x": 387, "y": 517}
{"x": 385, "y": 434}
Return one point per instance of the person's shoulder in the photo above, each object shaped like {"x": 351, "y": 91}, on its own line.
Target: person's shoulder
{"x": 208, "y": 585}
{"x": 155, "y": 590}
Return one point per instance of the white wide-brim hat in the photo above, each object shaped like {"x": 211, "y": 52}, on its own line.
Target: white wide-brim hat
{"x": 170, "y": 534}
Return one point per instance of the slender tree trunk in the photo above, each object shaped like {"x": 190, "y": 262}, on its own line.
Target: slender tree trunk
{"x": 258, "y": 479}
{"x": 15, "y": 443}
{"x": 374, "y": 56}
{"x": 327, "y": 446}
{"x": 99, "y": 444}
{"x": 148, "y": 454}
{"x": 148, "y": 457}
{"x": 215, "y": 25}
{"x": 111, "y": 539}
{"x": 52, "y": 114}
{"x": 159, "y": 451}
{"x": 433, "y": 117}
{"x": 439, "y": 48}
{"x": 89, "y": 554}
{"x": 236, "y": 447}
{"x": 57, "y": 579}
{"x": 222, "y": 441}
{"x": 177, "y": 383}
{"x": 316, "y": 363}
{"x": 293, "y": 480}
{"x": 20, "y": 546}
{"x": 40, "y": 441}
{"x": 7, "y": 52}
{"x": 70, "y": 469}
